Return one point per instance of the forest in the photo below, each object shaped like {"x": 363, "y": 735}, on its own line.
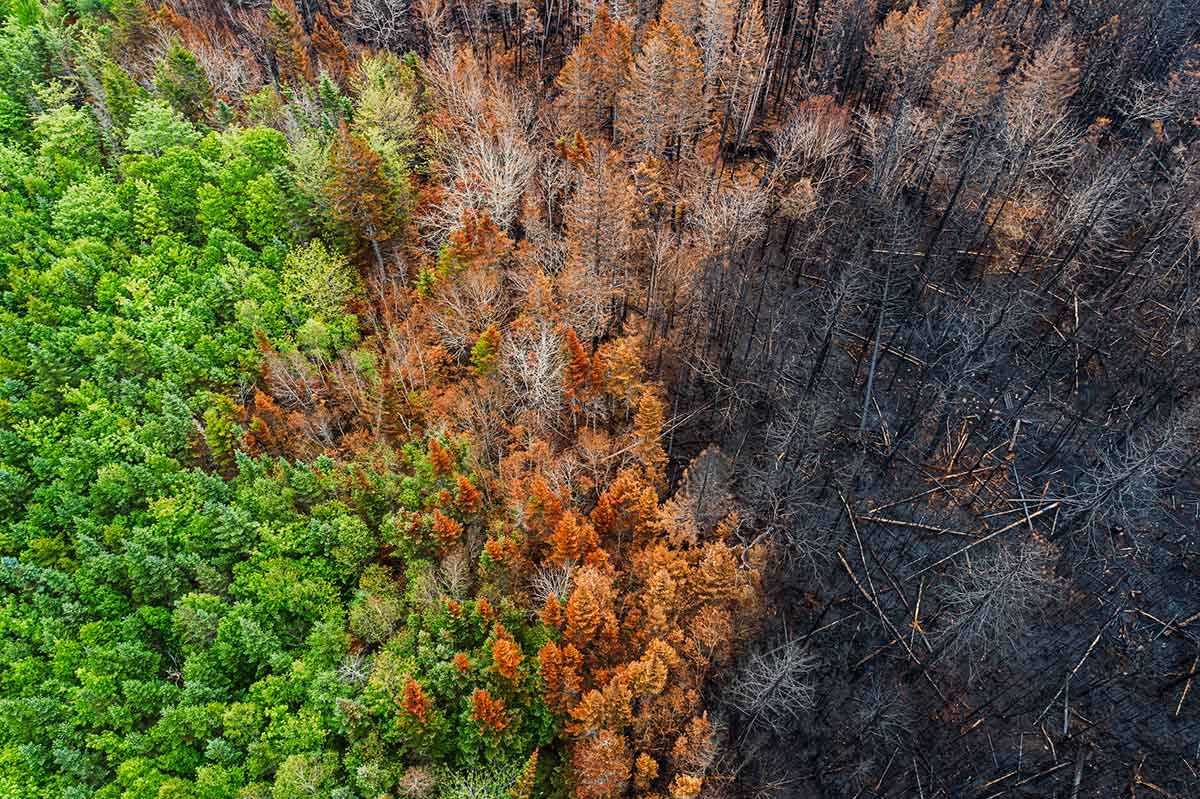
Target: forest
{"x": 696, "y": 399}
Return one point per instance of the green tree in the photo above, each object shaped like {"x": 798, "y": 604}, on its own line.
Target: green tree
{"x": 183, "y": 83}
{"x": 154, "y": 126}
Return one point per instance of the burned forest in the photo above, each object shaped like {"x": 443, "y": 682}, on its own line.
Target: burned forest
{"x": 705, "y": 399}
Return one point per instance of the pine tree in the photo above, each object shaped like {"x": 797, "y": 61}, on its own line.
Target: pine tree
{"x": 685, "y": 786}
{"x": 467, "y": 496}
{"x": 446, "y": 531}
{"x": 360, "y": 193}
{"x": 332, "y": 54}
{"x": 645, "y": 771}
{"x": 909, "y": 45}
{"x": 485, "y": 350}
{"x": 662, "y": 106}
{"x": 506, "y": 659}
{"x": 647, "y": 426}
{"x": 183, "y": 83}
{"x": 287, "y": 43}
{"x": 743, "y": 76}
{"x": 218, "y": 433}
{"x": 579, "y": 367}
{"x": 488, "y": 712}
{"x": 590, "y": 607}
{"x": 523, "y": 787}
{"x": 683, "y": 14}
{"x": 717, "y": 18}
{"x": 593, "y": 74}
{"x": 440, "y": 457}
{"x": 601, "y": 765}
{"x": 599, "y": 221}
{"x": 559, "y": 667}
{"x": 573, "y": 538}
{"x": 415, "y": 702}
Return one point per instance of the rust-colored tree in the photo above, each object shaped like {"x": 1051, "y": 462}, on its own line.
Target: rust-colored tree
{"x": 662, "y": 106}
{"x": 593, "y": 74}
{"x": 488, "y": 712}
{"x": 415, "y": 702}
{"x": 360, "y": 192}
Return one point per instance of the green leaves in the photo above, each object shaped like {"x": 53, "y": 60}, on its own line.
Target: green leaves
{"x": 318, "y": 283}
{"x": 184, "y": 620}
{"x": 183, "y": 83}
{"x": 155, "y": 126}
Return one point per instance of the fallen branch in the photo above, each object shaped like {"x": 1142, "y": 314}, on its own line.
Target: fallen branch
{"x": 987, "y": 537}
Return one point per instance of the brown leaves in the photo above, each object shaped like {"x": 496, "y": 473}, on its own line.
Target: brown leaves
{"x": 601, "y": 766}
{"x": 560, "y": 674}
{"x": 506, "y": 659}
{"x": 579, "y": 368}
{"x": 627, "y": 506}
{"x": 415, "y": 702}
{"x": 610, "y": 707}
{"x": 573, "y": 537}
{"x": 360, "y": 192}
{"x": 331, "y": 50}
{"x": 544, "y": 507}
{"x": 647, "y": 427}
{"x": 523, "y": 788}
{"x": 551, "y": 613}
{"x": 685, "y": 786}
{"x": 593, "y": 74}
{"x": 662, "y": 105}
{"x": 488, "y": 712}
{"x": 589, "y": 607}
{"x": 440, "y": 458}
{"x": 618, "y": 368}
{"x": 467, "y": 496}
{"x": 479, "y": 242}
{"x": 446, "y": 531}
{"x": 645, "y": 771}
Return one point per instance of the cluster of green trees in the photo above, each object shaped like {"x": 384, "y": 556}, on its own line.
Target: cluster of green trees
{"x": 212, "y": 643}
{"x": 178, "y": 619}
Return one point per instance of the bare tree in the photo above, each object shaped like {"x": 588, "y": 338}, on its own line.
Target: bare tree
{"x": 531, "y": 368}
{"x": 355, "y": 669}
{"x": 775, "y": 688}
{"x": 383, "y": 24}
{"x": 992, "y": 599}
{"x": 467, "y": 304}
{"x": 485, "y": 155}
{"x": 1122, "y": 488}
{"x": 552, "y": 581}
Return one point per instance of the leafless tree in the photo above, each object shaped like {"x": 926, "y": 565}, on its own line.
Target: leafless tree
{"x": 417, "y": 782}
{"x": 732, "y": 218}
{"x": 551, "y": 581}
{"x": 812, "y": 144}
{"x": 775, "y": 688}
{"x": 1122, "y": 488}
{"x": 704, "y": 494}
{"x": 454, "y": 574}
{"x": 232, "y": 73}
{"x": 466, "y": 304}
{"x": 992, "y": 598}
{"x": 894, "y": 142}
{"x": 485, "y": 155}
{"x": 354, "y": 670}
{"x": 1037, "y": 128}
{"x": 881, "y": 715}
{"x": 531, "y": 367}
{"x": 383, "y": 24}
